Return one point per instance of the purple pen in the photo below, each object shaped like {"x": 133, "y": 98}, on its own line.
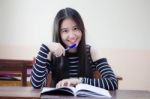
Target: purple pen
{"x": 71, "y": 46}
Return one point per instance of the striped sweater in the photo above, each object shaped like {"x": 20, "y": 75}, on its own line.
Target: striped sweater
{"x": 41, "y": 69}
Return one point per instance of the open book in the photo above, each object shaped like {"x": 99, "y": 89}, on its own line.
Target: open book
{"x": 79, "y": 90}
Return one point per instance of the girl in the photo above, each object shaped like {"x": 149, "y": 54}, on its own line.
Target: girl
{"x": 72, "y": 66}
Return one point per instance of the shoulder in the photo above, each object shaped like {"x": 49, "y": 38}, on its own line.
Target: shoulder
{"x": 95, "y": 53}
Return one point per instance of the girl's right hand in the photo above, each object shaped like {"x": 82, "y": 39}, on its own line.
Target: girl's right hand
{"x": 56, "y": 49}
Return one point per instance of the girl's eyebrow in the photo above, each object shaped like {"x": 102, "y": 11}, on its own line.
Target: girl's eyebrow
{"x": 67, "y": 28}
{"x": 75, "y": 26}
{"x": 63, "y": 28}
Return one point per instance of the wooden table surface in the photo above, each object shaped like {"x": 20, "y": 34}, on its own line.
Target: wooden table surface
{"x": 30, "y": 93}
{"x": 19, "y": 93}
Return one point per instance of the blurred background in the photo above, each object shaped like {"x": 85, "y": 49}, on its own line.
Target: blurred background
{"x": 119, "y": 29}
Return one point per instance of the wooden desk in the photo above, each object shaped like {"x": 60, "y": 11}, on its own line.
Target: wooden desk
{"x": 130, "y": 94}
{"x": 16, "y": 92}
{"x": 30, "y": 93}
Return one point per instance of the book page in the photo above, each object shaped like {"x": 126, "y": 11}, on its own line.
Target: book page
{"x": 56, "y": 91}
{"x": 89, "y": 90}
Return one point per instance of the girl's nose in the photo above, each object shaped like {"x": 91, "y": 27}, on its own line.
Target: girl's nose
{"x": 72, "y": 36}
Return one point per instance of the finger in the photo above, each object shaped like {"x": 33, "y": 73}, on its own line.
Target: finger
{"x": 63, "y": 50}
{"x": 58, "y": 85}
{"x": 62, "y": 83}
{"x": 55, "y": 54}
{"x": 68, "y": 83}
{"x": 59, "y": 51}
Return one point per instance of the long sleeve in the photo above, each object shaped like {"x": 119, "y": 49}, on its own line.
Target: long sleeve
{"x": 107, "y": 80}
{"x": 40, "y": 68}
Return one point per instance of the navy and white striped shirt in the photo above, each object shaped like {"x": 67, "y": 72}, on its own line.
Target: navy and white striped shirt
{"x": 40, "y": 70}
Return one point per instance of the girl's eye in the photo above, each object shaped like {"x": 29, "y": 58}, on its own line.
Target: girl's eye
{"x": 75, "y": 28}
{"x": 64, "y": 31}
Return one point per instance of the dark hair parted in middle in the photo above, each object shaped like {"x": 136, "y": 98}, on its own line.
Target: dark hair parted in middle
{"x": 81, "y": 49}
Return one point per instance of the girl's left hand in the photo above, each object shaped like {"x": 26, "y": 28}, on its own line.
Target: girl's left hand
{"x": 68, "y": 82}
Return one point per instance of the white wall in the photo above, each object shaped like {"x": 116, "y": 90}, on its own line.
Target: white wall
{"x": 120, "y": 29}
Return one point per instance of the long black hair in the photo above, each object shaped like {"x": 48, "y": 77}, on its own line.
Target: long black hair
{"x": 81, "y": 49}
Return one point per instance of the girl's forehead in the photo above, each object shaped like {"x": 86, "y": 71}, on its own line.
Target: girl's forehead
{"x": 69, "y": 22}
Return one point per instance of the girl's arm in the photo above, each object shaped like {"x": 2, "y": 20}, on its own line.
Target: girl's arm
{"x": 40, "y": 68}
{"x": 107, "y": 79}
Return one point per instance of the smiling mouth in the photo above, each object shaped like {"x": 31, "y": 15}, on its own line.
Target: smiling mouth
{"x": 72, "y": 42}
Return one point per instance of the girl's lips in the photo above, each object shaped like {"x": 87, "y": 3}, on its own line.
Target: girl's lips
{"x": 72, "y": 42}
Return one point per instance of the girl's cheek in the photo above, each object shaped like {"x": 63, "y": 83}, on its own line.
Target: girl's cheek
{"x": 63, "y": 37}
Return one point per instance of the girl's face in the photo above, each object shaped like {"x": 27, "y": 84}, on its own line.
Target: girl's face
{"x": 70, "y": 33}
